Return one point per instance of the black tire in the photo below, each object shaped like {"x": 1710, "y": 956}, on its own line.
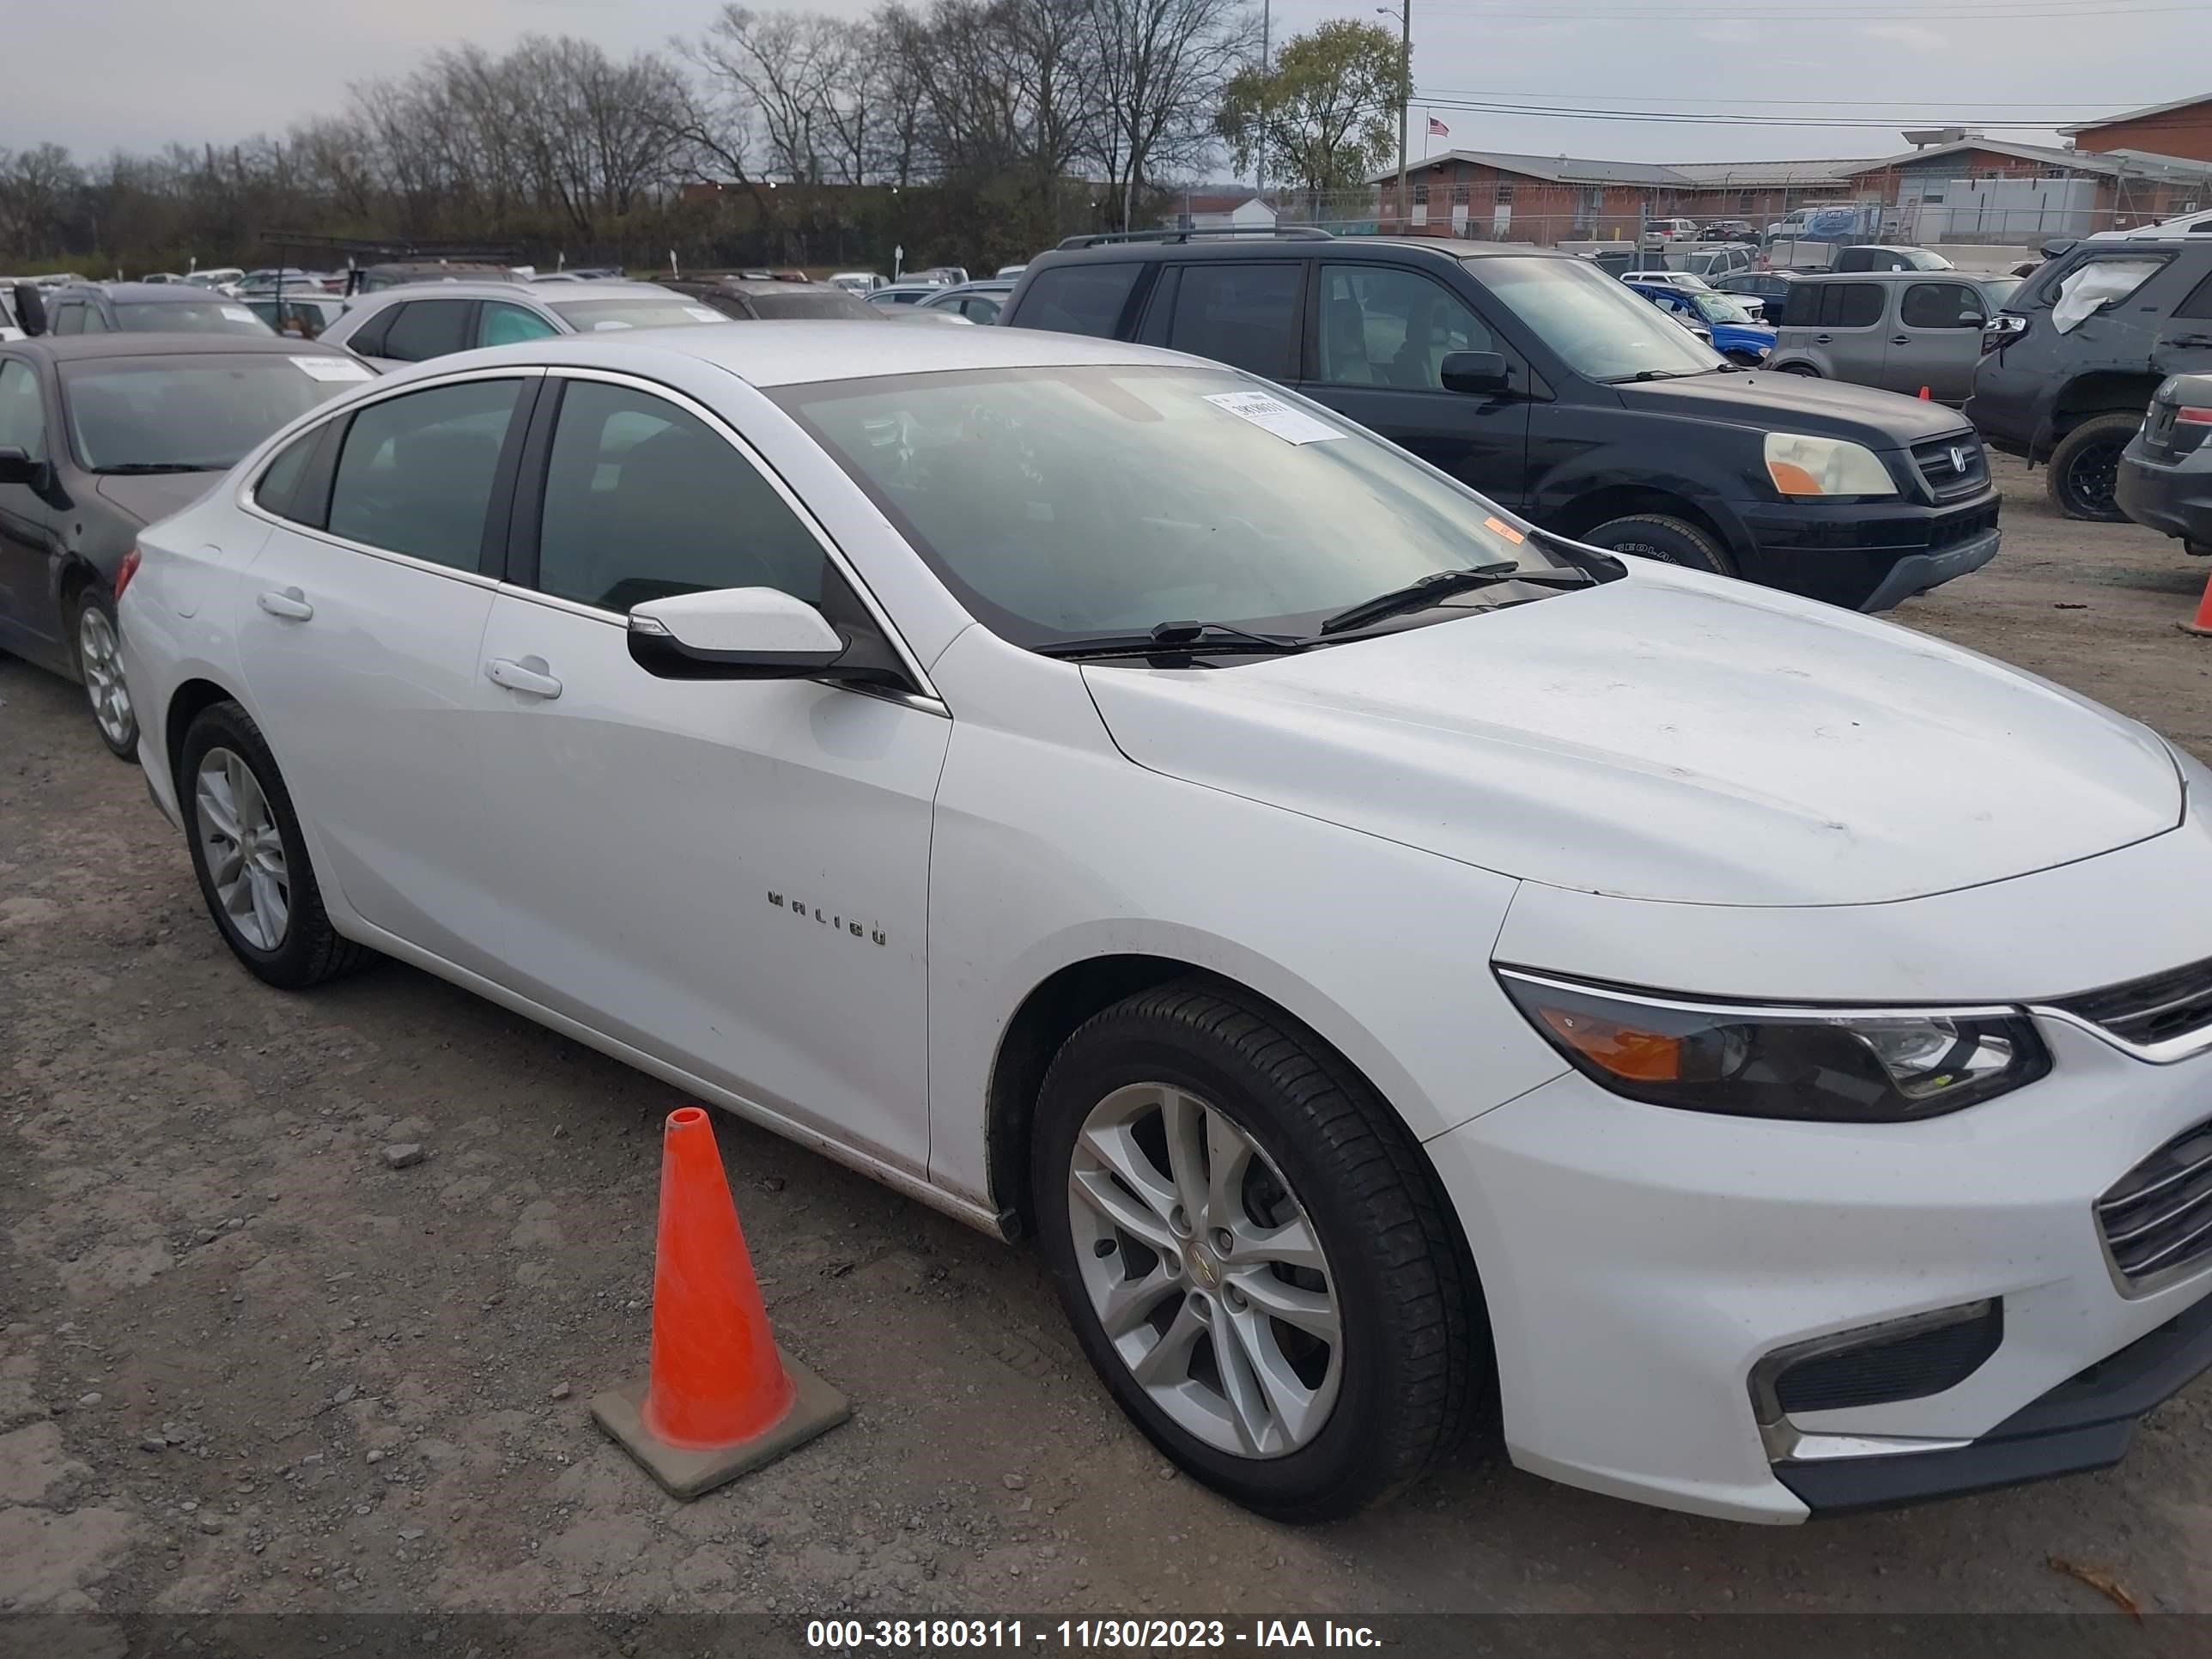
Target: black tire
{"x": 2197, "y": 549}
{"x": 309, "y": 951}
{"x": 95, "y": 598}
{"x": 1805, "y": 369}
{"x": 1663, "y": 537}
{"x": 2085, "y": 468}
{"x": 1414, "y": 1358}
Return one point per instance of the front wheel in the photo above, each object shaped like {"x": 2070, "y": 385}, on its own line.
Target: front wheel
{"x": 99, "y": 666}
{"x": 1661, "y": 536}
{"x": 1804, "y": 370}
{"x": 1253, "y": 1252}
{"x": 2085, "y": 468}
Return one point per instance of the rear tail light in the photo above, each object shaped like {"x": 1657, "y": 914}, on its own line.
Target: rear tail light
{"x": 126, "y": 571}
{"x": 2194, "y": 416}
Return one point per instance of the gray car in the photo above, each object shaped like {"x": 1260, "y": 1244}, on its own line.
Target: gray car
{"x": 1899, "y": 330}
{"x": 416, "y": 323}
{"x": 2164, "y": 477}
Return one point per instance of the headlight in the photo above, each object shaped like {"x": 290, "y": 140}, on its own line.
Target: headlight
{"x": 1802, "y": 464}
{"x": 1819, "y": 1064}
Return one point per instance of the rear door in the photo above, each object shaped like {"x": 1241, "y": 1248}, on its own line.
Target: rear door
{"x": 1937, "y": 339}
{"x": 2184, "y": 345}
{"x": 29, "y": 623}
{"x": 1244, "y": 312}
{"x": 1379, "y": 337}
{"x": 1848, "y": 330}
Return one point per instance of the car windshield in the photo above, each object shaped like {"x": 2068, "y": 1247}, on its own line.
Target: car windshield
{"x": 645, "y": 311}
{"x": 190, "y": 412}
{"x": 1719, "y": 308}
{"x": 1600, "y": 327}
{"x": 1060, "y": 503}
{"x": 212, "y": 316}
{"x": 801, "y": 303}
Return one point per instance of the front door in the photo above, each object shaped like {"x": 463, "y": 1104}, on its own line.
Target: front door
{"x": 731, "y": 876}
{"x": 1381, "y": 335}
{"x": 359, "y": 626}
{"x": 1938, "y": 340}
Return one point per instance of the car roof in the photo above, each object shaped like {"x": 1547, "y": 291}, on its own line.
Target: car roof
{"x": 480, "y": 288}
{"x": 1174, "y": 246}
{"x": 135, "y": 293}
{"x": 71, "y": 348}
{"x": 770, "y": 354}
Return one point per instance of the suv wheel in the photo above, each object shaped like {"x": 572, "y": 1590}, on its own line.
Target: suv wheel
{"x": 251, "y": 858}
{"x": 1253, "y": 1253}
{"x": 1805, "y": 369}
{"x": 2085, "y": 468}
{"x": 1658, "y": 536}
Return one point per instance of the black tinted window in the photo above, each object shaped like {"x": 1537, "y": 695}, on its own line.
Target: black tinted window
{"x": 643, "y": 499}
{"x": 67, "y": 318}
{"x": 1941, "y": 305}
{"x": 415, "y": 473}
{"x": 427, "y": 328}
{"x": 1079, "y": 298}
{"x": 281, "y": 478}
{"x": 1844, "y": 305}
{"x": 1241, "y": 314}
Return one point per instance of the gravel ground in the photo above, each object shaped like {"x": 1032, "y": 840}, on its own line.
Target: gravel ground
{"x": 248, "y": 1366}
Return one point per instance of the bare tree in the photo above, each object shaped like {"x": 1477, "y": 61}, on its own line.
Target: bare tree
{"x": 1161, "y": 66}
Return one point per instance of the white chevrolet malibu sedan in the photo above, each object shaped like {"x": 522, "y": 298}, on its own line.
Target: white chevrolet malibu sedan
{"x": 1404, "y": 968}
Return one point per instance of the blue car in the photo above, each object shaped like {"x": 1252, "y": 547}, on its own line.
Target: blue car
{"x": 1735, "y": 337}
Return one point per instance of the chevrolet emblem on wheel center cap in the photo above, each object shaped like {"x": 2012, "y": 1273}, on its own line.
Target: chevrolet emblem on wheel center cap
{"x": 1201, "y": 1265}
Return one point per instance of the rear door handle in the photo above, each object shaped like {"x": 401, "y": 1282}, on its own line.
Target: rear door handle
{"x": 1824, "y": 339}
{"x": 528, "y": 677}
{"x": 1900, "y": 339}
{"x": 291, "y": 605}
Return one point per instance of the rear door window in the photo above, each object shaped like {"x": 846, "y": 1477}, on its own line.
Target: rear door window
{"x": 1240, "y": 312}
{"x": 416, "y": 471}
{"x": 1840, "y": 304}
{"x": 428, "y": 328}
{"x": 1079, "y": 298}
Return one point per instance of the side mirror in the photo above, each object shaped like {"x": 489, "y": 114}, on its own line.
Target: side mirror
{"x": 1972, "y": 319}
{"x": 16, "y": 467}
{"x": 733, "y": 634}
{"x": 30, "y": 309}
{"x": 1475, "y": 371}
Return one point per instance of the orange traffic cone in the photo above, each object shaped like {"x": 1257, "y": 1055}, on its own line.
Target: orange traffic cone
{"x": 720, "y": 1398}
{"x": 2202, "y": 622}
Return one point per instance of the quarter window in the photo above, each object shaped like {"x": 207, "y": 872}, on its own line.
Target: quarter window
{"x": 1842, "y": 304}
{"x": 1079, "y": 298}
{"x": 427, "y": 328}
{"x": 1941, "y": 305}
{"x": 1239, "y": 314}
{"x": 643, "y": 499}
{"x": 22, "y": 412}
{"x": 1380, "y": 326}
{"x": 280, "y": 479}
{"x": 415, "y": 473}
{"x": 2199, "y": 302}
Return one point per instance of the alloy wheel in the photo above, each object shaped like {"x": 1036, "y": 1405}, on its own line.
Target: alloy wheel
{"x": 244, "y": 848}
{"x": 2093, "y": 478}
{"x": 100, "y": 660}
{"x": 1205, "y": 1270}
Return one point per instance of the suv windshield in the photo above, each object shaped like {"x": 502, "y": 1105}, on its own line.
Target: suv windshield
{"x": 195, "y": 413}
{"x": 1060, "y": 503}
{"x": 1717, "y": 307}
{"x": 187, "y": 317}
{"x": 646, "y": 311}
{"x": 1602, "y": 328}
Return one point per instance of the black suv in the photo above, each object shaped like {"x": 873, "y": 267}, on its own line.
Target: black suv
{"x": 2074, "y": 397}
{"x": 1548, "y": 386}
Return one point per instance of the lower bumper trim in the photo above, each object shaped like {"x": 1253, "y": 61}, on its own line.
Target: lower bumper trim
{"x": 2084, "y": 1423}
{"x": 1922, "y": 571}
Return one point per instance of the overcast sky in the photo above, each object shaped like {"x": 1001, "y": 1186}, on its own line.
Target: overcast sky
{"x": 100, "y": 75}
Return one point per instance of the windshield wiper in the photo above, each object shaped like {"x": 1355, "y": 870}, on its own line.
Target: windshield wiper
{"x": 1657, "y": 375}
{"x": 1433, "y": 590}
{"x": 140, "y": 469}
{"x": 1175, "y": 636}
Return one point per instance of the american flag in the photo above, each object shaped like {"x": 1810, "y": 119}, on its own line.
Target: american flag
{"x": 1437, "y": 129}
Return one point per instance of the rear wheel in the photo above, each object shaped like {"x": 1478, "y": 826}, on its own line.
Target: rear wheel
{"x": 1663, "y": 537}
{"x": 100, "y": 666}
{"x": 1805, "y": 369}
{"x": 1253, "y": 1253}
{"x": 251, "y": 858}
{"x": 2085, "y": 468}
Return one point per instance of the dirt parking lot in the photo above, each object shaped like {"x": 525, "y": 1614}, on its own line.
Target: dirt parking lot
{"x": 246, "y": 1367}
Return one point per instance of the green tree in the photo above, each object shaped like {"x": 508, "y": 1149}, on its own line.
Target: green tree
{"x": 1327, "y": 110}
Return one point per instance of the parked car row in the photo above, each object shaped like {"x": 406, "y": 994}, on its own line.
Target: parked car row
{"x": 1402, "y": 961}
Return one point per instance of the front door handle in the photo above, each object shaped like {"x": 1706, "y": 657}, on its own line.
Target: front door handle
{"x": 291, "y": 605}
{"x": 528, "y": 677}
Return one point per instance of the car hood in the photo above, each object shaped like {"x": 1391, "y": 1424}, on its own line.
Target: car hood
{"x": 155, "y": 495}
{"x": 1667, "y": 738}
{"x": 1797, "y": 403}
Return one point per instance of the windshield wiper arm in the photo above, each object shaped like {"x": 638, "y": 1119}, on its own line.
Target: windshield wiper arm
{"x": 1431, "y": 590}
{"x": 138, "y": 469}
{"x": 1175, "y": 636}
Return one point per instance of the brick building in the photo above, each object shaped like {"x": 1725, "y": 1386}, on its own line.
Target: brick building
{"x": 2183, "y": 127}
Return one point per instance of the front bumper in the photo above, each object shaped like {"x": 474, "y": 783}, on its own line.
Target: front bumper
{"x": 2173, "y": 496}
{"x": 1867, "y": 557}
{"x": 1639, "y": 1262}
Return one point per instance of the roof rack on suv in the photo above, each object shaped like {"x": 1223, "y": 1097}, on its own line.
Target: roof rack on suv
{"x": 1293, "y": 233}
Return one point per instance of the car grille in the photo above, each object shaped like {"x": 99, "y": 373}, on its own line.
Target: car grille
{"x": 1946, "y": 479}
{"x": 1961, "y": 527}
{"x": 2158, "y": 1217}
{"x": 2156, "y": 1008}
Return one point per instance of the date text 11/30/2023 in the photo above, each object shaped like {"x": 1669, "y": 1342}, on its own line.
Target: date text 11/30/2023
{"x": 1071, "y": 1635}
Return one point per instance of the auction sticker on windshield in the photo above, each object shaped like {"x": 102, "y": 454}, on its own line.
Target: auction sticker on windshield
{"x": 1293, "y": 426}
{"x": 332, "y": 369}
{"x": 238, "y": 313}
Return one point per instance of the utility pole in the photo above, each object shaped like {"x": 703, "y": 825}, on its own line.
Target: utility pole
{"x": 1260, "y": 151}
{"x": 1405, "y": 98}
